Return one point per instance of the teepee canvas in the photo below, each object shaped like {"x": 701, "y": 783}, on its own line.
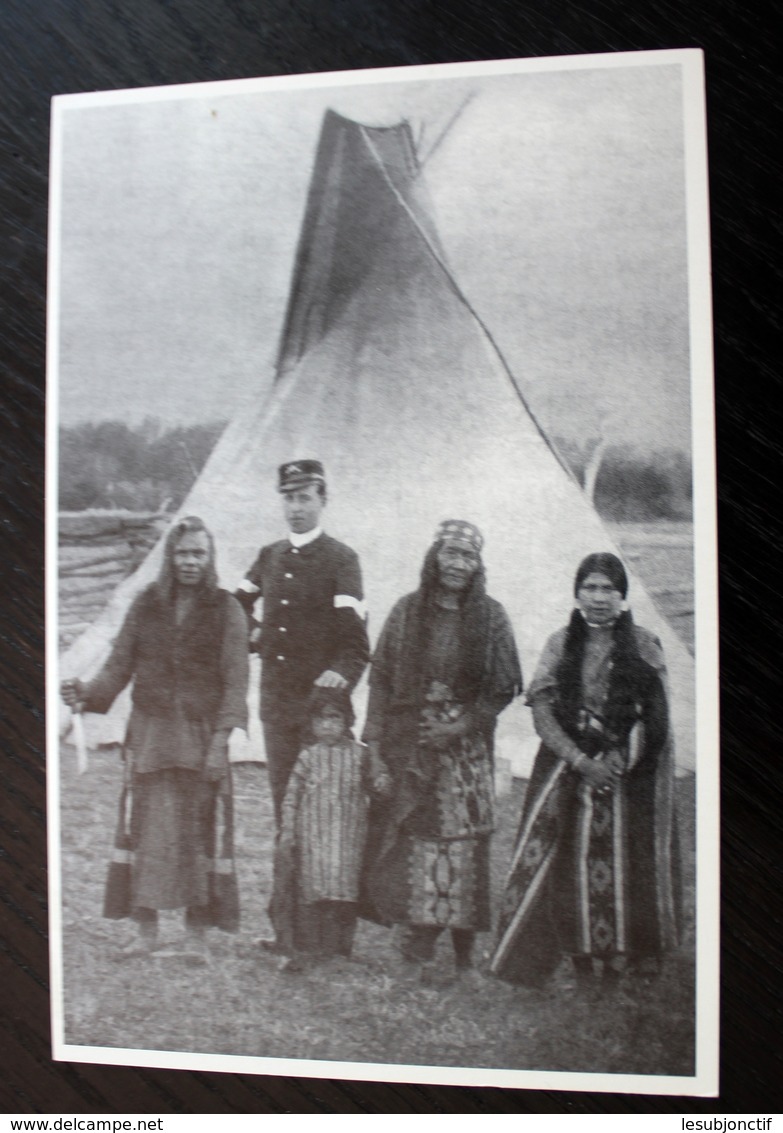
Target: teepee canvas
{"x": 388, "y": 376}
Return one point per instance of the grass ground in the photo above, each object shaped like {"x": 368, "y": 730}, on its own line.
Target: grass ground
{"x": 368, "y": 1009}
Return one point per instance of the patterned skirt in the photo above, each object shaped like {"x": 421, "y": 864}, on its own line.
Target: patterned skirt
{"x": 434, "y": 869}
{"x": 585, "y": 876}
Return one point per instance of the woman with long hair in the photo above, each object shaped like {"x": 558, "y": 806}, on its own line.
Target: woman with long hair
{"x": 594, "y": 873}
{"x": 445, "y": 666}
{"x": 183, "y": 644}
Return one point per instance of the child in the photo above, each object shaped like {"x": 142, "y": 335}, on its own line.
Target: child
{"x": 322, "y": 836}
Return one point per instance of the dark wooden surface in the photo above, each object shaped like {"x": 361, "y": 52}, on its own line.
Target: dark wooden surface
{"x": 59, "y": 46}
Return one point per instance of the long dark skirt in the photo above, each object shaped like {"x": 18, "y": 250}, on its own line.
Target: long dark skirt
{"x": 315, "y": 928}
{"x": 174, "y": 848}
{"x": 591, "y": 874}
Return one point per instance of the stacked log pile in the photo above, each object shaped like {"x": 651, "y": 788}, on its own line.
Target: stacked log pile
{"x": 96, "y": 551}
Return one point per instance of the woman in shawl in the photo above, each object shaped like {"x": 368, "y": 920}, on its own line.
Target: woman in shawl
{"x": 446, "y": 665}
{"x": 594, "y": 872}
{"x": 184, "y": 646}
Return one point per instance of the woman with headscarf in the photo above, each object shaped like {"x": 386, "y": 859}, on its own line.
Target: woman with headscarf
{"x": 594, "y": 872}
{"x": 445, "y": 666}
{"x": 184, "y": 645}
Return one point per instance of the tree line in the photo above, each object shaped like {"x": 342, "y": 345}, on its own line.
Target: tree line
{"x": 633, "y": 485}
{"x": 147, "y": 467}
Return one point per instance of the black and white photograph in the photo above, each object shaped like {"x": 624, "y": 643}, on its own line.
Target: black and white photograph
{"x": 381, "y": 576}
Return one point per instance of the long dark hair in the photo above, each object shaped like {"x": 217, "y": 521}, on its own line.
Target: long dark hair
{"x": 602, "y": 562}
{"x": 631, "y": 677}
{"x": 166, "y": 581}
{"x": 473, "y": 631}
{"x": 320, "y": 698}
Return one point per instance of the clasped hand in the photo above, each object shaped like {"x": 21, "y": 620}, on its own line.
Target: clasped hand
{"x": 602, "y": 774}
{"x": 72, "y": 692}
{"x": 438, "y": 733}
{"x": 329, "y": 678}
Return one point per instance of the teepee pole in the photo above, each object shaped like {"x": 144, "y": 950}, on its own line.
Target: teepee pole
{"x": 441, "y": 136}
{"x": 457, "y": 113}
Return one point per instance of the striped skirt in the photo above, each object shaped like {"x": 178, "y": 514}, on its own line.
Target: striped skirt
{"x": 590, "y": 875}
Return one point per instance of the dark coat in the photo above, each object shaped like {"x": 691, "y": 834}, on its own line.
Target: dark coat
{"x": 312, "y": 621}
{"x": 170, "y": 664}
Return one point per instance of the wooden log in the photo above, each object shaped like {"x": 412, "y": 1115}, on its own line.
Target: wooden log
{"x": 73, "y": 629}
{"x": 104, "y": 570}
{"x": 70, "y": 615}
{"x": 80, "y": 538}
{"x": 111, "y": 538}
{"x": 93, "y": 556}
{"x": 96, "y": 569}
{"x": 94, "y": 524}
{"x": 79, "y": 586}
{"x": 87, "y": 602}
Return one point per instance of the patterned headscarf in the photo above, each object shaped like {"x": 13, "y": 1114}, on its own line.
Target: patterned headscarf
{"x": 462, "y": 530}
{"x": 474, "y": 622}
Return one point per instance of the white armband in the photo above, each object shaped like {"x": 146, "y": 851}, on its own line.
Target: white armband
{"x": 248, "y": 587}
{"x": 348, "y": 602}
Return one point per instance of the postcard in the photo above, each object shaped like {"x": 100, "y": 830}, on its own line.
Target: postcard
{"x": 381, "y": 583}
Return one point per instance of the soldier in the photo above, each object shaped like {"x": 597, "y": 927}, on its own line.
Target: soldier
{"x": 313, "y": 630}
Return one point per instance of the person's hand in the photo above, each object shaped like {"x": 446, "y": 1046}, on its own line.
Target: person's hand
{"x": 615, "y": 760}
{"x": 72, "y": 691}
{"x": 331, "y": 679}
{"x": 600, "y": 776}
{"x": 438, "y": 733}
{"x": 382, "y": 785}
{"x": 381, "y": 782}
{"x": 216, "y": 763}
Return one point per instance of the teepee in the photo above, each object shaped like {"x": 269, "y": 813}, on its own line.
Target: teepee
{"x": 387, "y": 375}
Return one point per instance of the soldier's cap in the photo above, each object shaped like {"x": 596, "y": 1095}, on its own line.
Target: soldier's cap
{"x": 299, "y": 474}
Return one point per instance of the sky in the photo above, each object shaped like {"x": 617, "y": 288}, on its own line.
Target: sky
{"x": 559, "y": 197}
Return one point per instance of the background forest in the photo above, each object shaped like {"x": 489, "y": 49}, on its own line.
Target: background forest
{"x": 149, "y": 467}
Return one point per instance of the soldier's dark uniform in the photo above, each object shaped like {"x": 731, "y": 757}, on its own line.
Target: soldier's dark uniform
{"x": 313, "y": 620}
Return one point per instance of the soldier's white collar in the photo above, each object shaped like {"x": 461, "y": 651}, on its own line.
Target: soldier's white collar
{"x": 297, "y": 539}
